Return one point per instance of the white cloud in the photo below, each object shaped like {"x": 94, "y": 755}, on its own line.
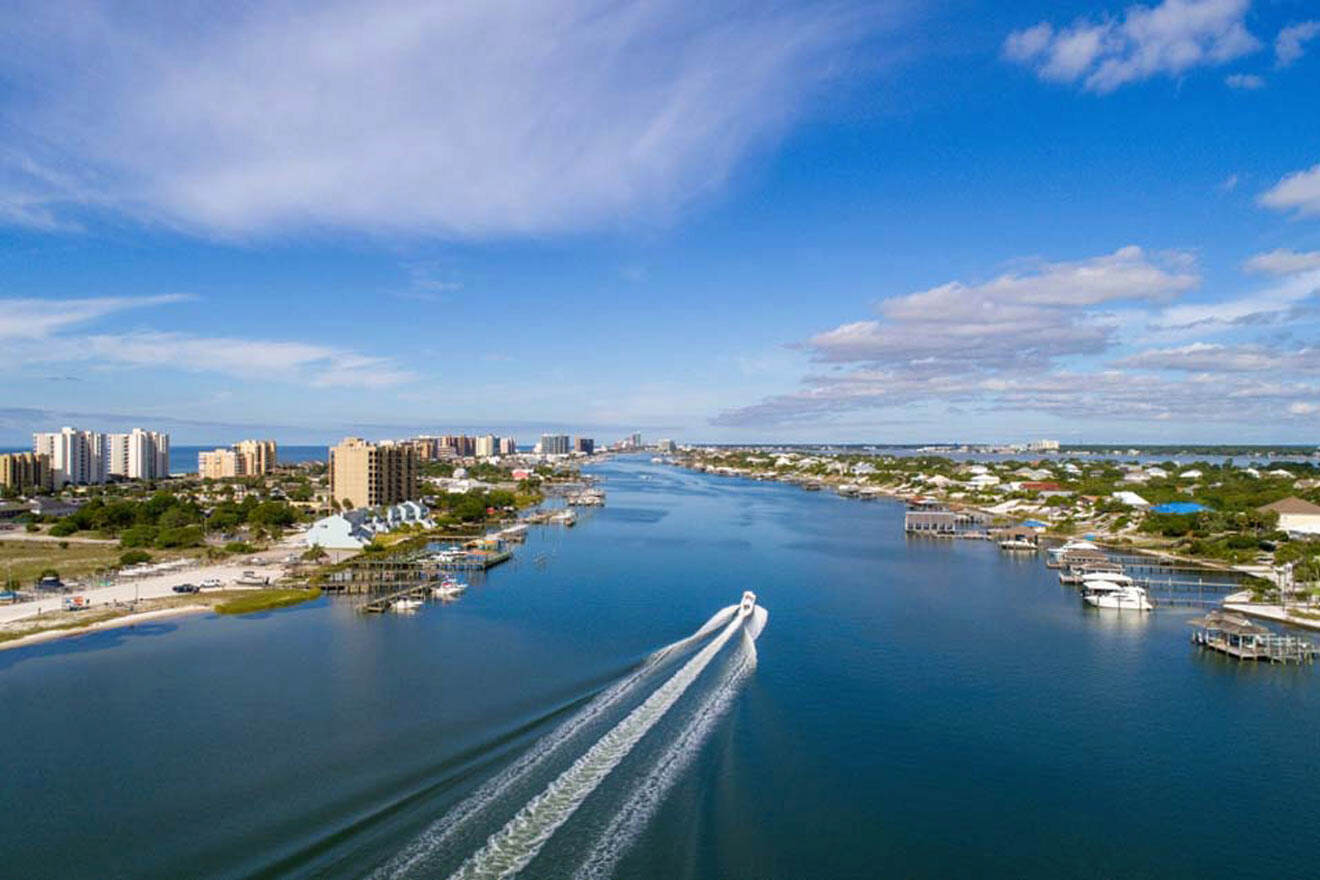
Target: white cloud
{"x": 1298, "y": 192}
{"x": 1202, "y": 357}
{"x": 1168, "y": 39}
{"x": 39, "y": 318}
{"x": 462, "y": 118}
{"x": 253, "y": 359}
{"x": 1032, "y": 341}
{"x": 1283, "y": 262}
{"x": 1229, "y": 184}
{"x": 1271, "y": 305}
{"x": 1025, "y": 317}
{"x": 1289, "y": 45}
{"x": 33, "y": 331}
{"x": 1244, "y": 81}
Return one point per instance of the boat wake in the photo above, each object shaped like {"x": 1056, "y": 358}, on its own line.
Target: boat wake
{"x": 642, "y": 804}
{"x": 436, "y": 839}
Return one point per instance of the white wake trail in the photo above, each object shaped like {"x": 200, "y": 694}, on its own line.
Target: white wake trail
{"x": 510, "y": 849}
{"x": 641, "y": 806}
{"x": 439, "y": 833}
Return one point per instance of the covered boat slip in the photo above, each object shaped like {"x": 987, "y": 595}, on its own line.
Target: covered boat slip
{"x": 1240, "y": 638}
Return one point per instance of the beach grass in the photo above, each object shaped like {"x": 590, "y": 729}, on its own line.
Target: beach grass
{"x": 265, "y": 600}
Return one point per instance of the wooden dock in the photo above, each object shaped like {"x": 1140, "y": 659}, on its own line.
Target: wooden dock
{"x": 1235, "y": 636}
{"x": 381, "y": 604}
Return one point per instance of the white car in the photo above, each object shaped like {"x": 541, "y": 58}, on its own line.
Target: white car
{"x": 211, "y": 583}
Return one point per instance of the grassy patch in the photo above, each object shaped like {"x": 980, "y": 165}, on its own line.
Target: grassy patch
{"x": 264, "y": 600}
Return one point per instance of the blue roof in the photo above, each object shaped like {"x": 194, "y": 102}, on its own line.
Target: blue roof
{"x": 1179, "y": 507}
{"x": 1035, "y": 524}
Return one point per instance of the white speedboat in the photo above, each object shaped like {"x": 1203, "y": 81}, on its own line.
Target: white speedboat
{"x": 748, "y": 603}
{"x": 449, "y": 589}
{"x": 1102, "y": 593}
{"x": 405, "y": 605}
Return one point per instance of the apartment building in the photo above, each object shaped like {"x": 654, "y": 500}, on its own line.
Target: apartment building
{"x": 138, "y": 455}
{"x": 24, "y": 471}
{"x": 75, "y": 456}
{"x": 371, "y": 474}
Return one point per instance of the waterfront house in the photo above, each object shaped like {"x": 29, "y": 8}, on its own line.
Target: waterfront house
{"x": 356, "y": 529}
{"x": 1296, "y": 515}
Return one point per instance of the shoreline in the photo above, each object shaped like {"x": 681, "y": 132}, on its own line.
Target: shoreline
{"x": 129, "y": 619}
{"x": 1272, "y": 613}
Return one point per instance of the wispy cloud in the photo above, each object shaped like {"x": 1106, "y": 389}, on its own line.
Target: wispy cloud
{"x": 1168, "y": 39}
{"x": 1298, "y": 192}
{"x": 468, "y": 118}
{"x": 1290, "y": 44}
{"x": 1247, "y": 82}
{"x": 37, "y": 332}
{"x": 39, "y": 318}
{"x": 1283, "y": 261}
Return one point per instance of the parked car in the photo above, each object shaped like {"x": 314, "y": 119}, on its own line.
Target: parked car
{"x": 50, "y": 582}
{"x": 186, "y": 588}
{"x": 211, "y": 584}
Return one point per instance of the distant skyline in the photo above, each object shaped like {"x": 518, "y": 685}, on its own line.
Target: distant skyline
{"x": 727, "y": 222}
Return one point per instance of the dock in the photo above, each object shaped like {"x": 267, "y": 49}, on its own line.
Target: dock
{"x": 381, "y": 604}
{"x": 1235, "y": 636}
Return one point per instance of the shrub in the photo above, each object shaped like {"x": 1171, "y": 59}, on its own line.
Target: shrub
{"x": 134, "y": 557}
{"x": 63, "y": 528}
{"x": 184, "y": 536}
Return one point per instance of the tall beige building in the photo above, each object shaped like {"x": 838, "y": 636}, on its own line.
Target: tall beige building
{"x": 218, "y": 464}
{"x": 371, "y": 474}
{"x": 25, "y": 470}
{"x": 247, "y": 458}
{"x": 256, "y": 457}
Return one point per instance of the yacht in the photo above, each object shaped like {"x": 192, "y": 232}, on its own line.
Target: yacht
{"x": 405, "y": 604}
{"x": 1017, "y": 544}
{"x": 1115, "y": 591}
{"x": 748, "y": 603}
{"x": 1056, "y": 554}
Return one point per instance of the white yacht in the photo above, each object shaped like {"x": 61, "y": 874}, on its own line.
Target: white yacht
{"x": 1115, "y": 591}
{"x": 405, "y": 604}
{"x": 748, "y": 603}
{"x": 1017, "y": 544}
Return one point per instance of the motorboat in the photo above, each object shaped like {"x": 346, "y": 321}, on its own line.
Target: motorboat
{"x": 1017, "y": 544}
{"x": 405, "y": 604}
{"x": 748, "y": 603}
{"x": 1112, "y": 577}
{"x": 449, "y": 589}
{"x": 1105, "y": 592}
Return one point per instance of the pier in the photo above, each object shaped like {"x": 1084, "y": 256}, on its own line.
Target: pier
{"x": 381, "y": 604}
{"x": 1237, "y": 637}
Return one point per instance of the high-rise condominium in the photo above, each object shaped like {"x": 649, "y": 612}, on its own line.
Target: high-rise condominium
{"x": 371, "y": 474}
{"x": 555, "y": 444}
{"x": 75, "y": 456}
{"x": 138, "y": 455}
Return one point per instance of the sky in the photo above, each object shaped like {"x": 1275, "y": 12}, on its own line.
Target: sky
{"x": 731, "y": 221}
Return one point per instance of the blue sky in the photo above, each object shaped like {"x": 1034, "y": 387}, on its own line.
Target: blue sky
{"x": 837, "y": 221}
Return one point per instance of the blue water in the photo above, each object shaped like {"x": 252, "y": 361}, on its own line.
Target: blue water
{"x": 918, "y": 709}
